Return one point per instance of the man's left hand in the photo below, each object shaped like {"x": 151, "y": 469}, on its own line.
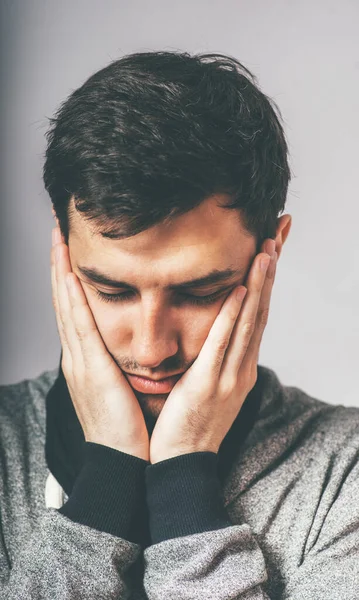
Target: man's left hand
{"x": 204, "y": 403}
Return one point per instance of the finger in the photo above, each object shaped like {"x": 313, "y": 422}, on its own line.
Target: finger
{"x": 212, "y": 355}
{"x": 55, "y": 301}
{"x": 246, "y": 323}
{"x": 82, "y": 335}
{"x": 62, "y": 268}
{"x": 251, "y": 358}
{"x": 93, "y": 350}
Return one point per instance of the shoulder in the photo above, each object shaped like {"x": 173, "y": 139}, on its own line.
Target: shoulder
{"x": 25, "y": 399}
{"x": 291, "y": 411}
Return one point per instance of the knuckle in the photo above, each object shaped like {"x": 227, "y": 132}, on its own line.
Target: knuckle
{"x": 62, "y": 329}
{"x": 64, "y": 340}
{"x": 81, "y": 332}
{"x": 252, "y": 377}
{"x": 222, "y": 345}
{"x": 263, "y": 316}
{"x": 64, "y": 321}
{"x": 60, "y": 325}
{"x": 66, "y": 365}
{"x": 229, "y": 385}
{"x": 217, "y": 363}
{"x": 248, "y": 329}
{"x": 233, "y": 314}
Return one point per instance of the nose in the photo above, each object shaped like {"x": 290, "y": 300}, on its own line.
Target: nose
{"x": 154, "y": 339}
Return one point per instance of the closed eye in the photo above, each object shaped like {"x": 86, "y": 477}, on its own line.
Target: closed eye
{"x": 196, "y": 300}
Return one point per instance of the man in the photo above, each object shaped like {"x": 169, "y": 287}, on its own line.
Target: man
{"x": 209, "y": 479}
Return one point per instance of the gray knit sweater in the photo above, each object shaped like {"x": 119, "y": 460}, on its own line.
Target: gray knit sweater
{"x": 292, "y": 496}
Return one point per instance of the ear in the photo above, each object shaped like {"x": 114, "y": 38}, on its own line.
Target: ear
{"x": 283, "y": 229}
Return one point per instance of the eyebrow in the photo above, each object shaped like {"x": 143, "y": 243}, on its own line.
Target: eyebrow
{"x": 215, "y": 276}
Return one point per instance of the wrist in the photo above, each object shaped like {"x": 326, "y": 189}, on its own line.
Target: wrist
{"x": 166, "y": 454}
{"x": 184, "y": 497}
{"x": 137, "y": 451}
{"x": 108, "y": 492}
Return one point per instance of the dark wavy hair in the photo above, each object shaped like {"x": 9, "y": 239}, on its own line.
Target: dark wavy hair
{"x": 153, "y": 134}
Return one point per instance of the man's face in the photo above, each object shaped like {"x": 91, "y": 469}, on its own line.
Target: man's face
{"x": 157, "y": 331}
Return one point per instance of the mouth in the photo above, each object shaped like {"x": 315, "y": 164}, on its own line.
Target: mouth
{"x": 154, "y": 378}
{"x": 153, "y": 386}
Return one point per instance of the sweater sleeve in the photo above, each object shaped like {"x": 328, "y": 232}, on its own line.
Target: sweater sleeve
{"x": 108, "y": 493}
{"x": 64, "y": 559}
{"x": 85, "y": 549}
{"x": 195, "y": 556}
{"x": 196, "y": 552}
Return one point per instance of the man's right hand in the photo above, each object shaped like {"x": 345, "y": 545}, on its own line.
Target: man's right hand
{"x": 105, "y": 404}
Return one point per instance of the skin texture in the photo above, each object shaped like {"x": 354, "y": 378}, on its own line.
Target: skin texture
{"x": 154, "y": 334}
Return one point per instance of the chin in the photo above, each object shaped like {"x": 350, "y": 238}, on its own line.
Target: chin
{"x": 149, "y": 401}
{"x": 152, "y": 406}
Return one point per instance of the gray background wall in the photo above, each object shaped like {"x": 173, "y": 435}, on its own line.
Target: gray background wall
{"x": 306, "y": 56}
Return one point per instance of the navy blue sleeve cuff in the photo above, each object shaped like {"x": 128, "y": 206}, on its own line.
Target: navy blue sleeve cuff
{"x": 184, "y": 497}
{"x": 109, "y": 492}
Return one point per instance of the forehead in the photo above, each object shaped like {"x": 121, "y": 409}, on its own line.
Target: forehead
{"x": 207, "y": 235}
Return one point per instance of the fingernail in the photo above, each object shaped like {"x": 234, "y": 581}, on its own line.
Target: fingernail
{"x": 240, "y": 293}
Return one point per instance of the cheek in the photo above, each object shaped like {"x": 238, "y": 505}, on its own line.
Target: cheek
{"x": 200, "y": 326}
{"x": 108, "y": 321}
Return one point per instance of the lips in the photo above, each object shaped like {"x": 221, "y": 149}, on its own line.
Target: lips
{"x": 149, "y": 386}
{"x": 153, "y": 379}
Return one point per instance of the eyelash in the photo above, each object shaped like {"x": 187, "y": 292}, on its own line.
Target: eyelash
{"x": 196, "y": 300}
